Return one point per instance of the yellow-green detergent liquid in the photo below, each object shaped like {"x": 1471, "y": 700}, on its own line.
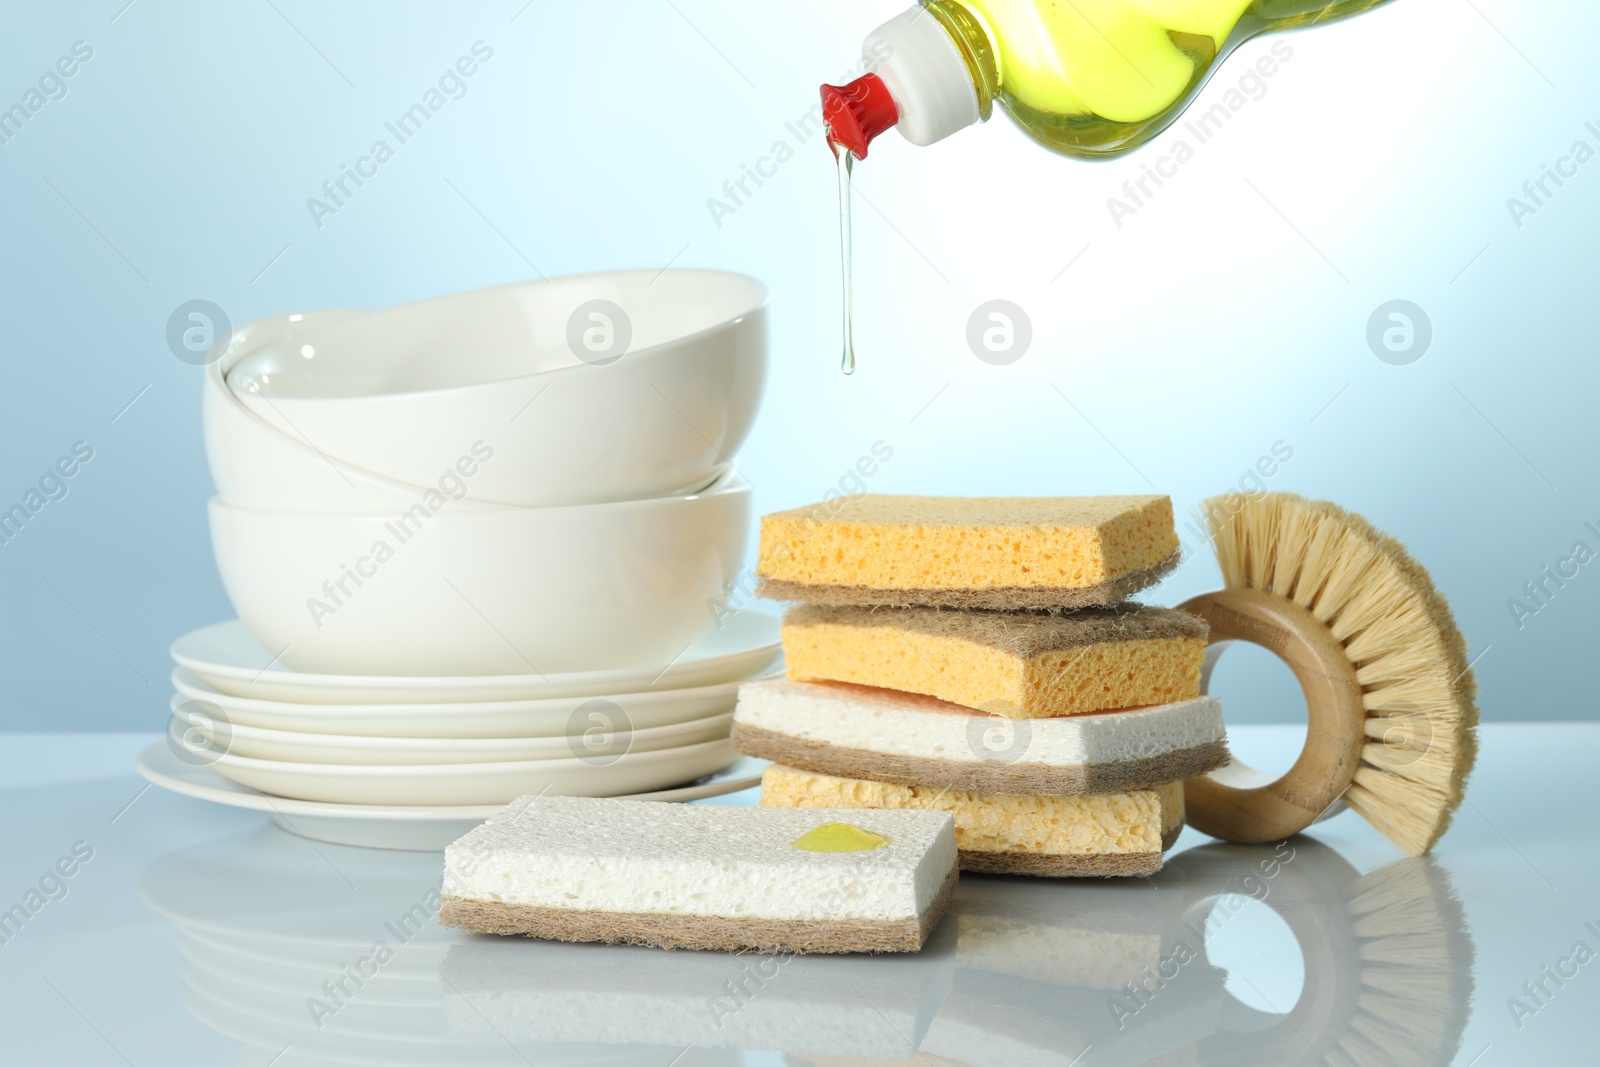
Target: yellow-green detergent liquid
{"x": 839, "y": 837}
{"x": 1100, "y": 77}
{"x": 1096, "y": 78}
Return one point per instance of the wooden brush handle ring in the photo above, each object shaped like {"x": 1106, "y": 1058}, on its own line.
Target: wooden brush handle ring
{"x": 1238, "y": 804}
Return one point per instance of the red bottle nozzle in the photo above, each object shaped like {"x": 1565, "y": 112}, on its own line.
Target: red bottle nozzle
{"x": 857, "y": 112}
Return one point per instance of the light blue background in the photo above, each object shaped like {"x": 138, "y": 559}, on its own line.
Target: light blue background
{"x": 1226, "y": 315}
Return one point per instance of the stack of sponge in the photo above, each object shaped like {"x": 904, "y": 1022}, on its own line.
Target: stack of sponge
{"x": 980, "y": 656}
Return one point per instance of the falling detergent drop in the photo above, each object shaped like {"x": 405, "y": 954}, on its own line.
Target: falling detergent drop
{"x": 847, "y": 362}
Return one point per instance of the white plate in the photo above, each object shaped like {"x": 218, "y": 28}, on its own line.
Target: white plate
{"x": 600, "y": 734}
{"x": 478, "y": 783}
{"x": 227, "y": 658}
{"x": 424, "y": 828}
{"x": 552, "y": 717}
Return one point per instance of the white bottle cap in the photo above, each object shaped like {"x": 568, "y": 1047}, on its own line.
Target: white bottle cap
{"x": 925, "y": 74}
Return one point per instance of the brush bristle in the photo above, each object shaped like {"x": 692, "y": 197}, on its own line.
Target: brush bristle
{"x": 1408, "y": 653}
{"x": 1416, "y": 968}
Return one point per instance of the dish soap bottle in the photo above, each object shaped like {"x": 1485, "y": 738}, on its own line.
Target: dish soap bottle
{"x": 1086, "y": 78}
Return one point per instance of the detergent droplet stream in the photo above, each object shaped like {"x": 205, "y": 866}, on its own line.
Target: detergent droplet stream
{"x": 847, "y": 362}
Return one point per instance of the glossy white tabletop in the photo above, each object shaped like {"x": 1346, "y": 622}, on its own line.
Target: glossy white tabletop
{"x": 192, "y": 934}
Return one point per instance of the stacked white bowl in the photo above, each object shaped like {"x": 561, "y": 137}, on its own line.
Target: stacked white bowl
{"x": 532, "y": 483}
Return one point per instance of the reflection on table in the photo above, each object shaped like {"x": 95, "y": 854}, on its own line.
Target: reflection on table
{"x": 326, "y": 954}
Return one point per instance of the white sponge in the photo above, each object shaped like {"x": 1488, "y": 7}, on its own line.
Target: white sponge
{"x": 702, "y": 876}
{"x": 885, "y": 735}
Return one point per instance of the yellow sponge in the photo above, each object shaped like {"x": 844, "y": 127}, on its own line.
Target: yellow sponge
{"x": 1020, "y": 665}
{"x": 968, "y": 552}
{"x": 1104, "y": 834}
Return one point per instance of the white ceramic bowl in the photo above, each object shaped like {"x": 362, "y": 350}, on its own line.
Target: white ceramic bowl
{"x": 528, "y": 386}
{"x": 599, "y": 731}
{"x": 488, "y": 591}
{"x": 254, "y": 464}
{"x": 547, "y": 717}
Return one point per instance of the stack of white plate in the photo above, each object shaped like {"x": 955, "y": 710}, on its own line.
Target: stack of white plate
{"x": 415, "y": 761}
{"x": 480, "y": 546}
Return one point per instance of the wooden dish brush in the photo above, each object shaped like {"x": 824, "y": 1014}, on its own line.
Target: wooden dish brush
{"x": 1389, "y": 691}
